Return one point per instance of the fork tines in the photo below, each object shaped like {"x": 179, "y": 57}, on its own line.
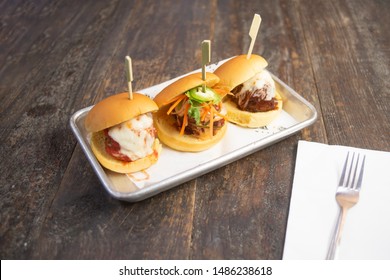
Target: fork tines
{"x": 350, "y": 169}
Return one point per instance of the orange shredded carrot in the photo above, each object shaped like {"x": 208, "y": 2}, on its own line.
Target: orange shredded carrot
{"x": 185, "y": 120}
{"x": 211, "y": 122}
{"x": 180, "y": 98}
{"x": 204, "y": 113}
{"x": 176, "y": 98}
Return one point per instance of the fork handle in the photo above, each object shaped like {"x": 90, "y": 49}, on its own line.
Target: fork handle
{"x": 335, "y": 242}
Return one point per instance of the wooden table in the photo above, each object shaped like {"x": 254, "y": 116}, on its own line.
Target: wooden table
{"x": 60, "y": 56}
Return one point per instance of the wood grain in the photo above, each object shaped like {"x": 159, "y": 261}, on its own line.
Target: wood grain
{"x": 59, "y": 56}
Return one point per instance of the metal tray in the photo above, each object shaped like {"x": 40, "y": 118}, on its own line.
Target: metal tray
{"x": 174, "y": 168}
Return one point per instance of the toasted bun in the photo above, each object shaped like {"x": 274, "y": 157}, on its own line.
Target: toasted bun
{"x": 237, "y": 70}
{"x": 109, "y": 162}
{"x": 117, "y": 109}
{"x": 182, "y": 85}
{"x": 249, "y": 119}
{"x": 170, "y": 136}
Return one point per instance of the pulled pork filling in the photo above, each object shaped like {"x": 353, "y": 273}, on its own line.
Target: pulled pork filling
{"x": 194, "y": 128}
{"x": 198, "y": 112}
{"x": 256, "y": 94}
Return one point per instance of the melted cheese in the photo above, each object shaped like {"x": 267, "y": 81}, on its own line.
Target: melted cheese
{"x": 259, "y": 81}
{"x": 135, "y": 136}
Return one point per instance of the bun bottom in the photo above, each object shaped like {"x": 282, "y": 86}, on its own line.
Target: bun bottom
{"x": 109, "y": 162}
{"x": 250, "y": 119}
{"x": 168, "y": 134}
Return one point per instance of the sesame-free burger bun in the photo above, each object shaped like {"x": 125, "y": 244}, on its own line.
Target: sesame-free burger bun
{"x": 239, "y": 69}
{"x": 111, "y": 163}
{"x": 182, "y": 85}
{"x": 116, "y": 109}
{"x": 165, "y": 124}
{"x": 236, "y": 71}
{"x": 251, "y": 119}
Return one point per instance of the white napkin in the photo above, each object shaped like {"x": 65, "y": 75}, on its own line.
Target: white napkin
{"x": 313, "y": 208}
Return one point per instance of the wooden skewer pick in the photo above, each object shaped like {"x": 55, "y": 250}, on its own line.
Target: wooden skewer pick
{"x": 253, "y": 33}
{"x": 206, "y": 54}
{"x": 129, "y": 76}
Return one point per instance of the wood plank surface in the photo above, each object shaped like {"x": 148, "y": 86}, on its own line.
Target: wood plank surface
{"x": 59, "y": 56}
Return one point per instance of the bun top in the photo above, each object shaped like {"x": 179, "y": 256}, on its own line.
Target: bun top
{"x": 182, "y": 85}
{"x": 237, "y": 70}
{"x": 117, "y": 109}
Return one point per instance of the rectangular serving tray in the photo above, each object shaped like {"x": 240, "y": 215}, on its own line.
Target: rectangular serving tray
{"x": 174, "y": 168}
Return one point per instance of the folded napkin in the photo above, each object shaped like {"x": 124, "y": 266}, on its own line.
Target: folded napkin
{"x": 314, "y": 210}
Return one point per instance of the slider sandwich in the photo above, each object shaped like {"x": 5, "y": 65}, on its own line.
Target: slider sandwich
{"x": 123, "y": 136}
{"x": 253, "y": 100}
{"x": 190, "y": 118}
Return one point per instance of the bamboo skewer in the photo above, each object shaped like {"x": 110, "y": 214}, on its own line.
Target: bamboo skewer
{"x": 205, "y": 60}
{"x": 253, "y": 33}
{"x": 129, "y": 76}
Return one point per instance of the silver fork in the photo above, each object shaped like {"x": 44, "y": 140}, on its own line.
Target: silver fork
{"x": 347, "y": 195}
